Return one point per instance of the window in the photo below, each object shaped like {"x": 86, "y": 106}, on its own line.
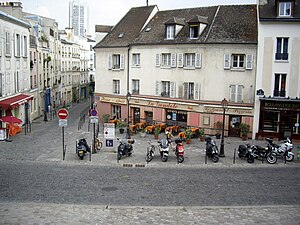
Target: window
{"x": 116, "y": 86}
{"x": 189, "y": 60}
{"x": 16, "y": 81}
{"x": 1, "y": 91}
{"x": 271, "y": 119}
{"x": 166, "y": 59}
{"x": 279, "y": 85}
{"x": 285, "y": 8}
{"x": 188, "y": 90}
{"x": 25, "y": 46}
{"x": 7, "y": 44}
{"x": 282, "y": 49}
{"x": 116, "y": 61}
{"x": 194, "y": 31}
{"x": 236, "y": 93}
{"x": 170, "y": 32}
{"x": 17, "y": 45}
{"x": 238, "y": 61}
{"x": 135, "y": 86}
{"x": 165, "y": 89}
{"x": 136, "y": 59}
{"x": 116, "y": 111}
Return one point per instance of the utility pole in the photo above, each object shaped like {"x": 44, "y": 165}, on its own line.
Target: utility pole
{"x": 147, "y": 2}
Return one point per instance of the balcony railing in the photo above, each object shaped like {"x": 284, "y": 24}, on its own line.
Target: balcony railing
{"x": 277, "y": 93}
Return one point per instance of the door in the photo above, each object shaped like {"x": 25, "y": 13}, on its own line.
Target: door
{"x": 234, "y": 126}
{"x": 286, "y": 126}
{"x": 136, "y": 115}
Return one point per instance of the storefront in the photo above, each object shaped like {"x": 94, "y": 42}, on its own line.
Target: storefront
{"x": 279, "y": 118}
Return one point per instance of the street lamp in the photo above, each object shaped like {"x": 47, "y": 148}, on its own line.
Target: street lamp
{"x": 224, "y": 103}
{"x": 128, "y": 97}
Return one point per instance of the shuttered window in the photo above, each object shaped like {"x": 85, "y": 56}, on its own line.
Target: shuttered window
{"x": 236, "y": 93}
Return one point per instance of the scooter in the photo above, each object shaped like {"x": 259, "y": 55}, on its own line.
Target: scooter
{"x": 164, "y": 149}
{"x": 179, "y": 150}
{"x": 125, "y": 147}
{"x": 284, "y": 149}
{"x": 211, "y": 149}
{"x": 244, "y": 151}
{"x": 82, "y": 148}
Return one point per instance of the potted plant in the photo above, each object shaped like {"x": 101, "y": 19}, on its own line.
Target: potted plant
{"x": 218, "y": 127}
{"x": 201, "y": 134}
{"x": 188, "y": 135}
{"x": 143, "y": 132}
{"x": 105, "y": 118}
{"x": 245, "y": 128}
{"x": 156, "y": 132}
{"x": 121, "y": 126}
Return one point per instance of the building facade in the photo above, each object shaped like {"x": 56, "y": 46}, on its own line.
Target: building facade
{"x": 178, "y": 65}
{"x": 78, "y": 17}
{"x": 277, "y": 103}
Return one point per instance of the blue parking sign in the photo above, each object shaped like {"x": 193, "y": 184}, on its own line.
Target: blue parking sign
{"x": 109, "y": 143}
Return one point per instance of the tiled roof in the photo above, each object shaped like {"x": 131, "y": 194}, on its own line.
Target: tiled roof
{"x": 268, "y": 11}
{"x": 225, "y": 24}
{"x": 128, "y": 28}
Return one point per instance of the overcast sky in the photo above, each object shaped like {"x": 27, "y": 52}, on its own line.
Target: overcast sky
{"x": 109, "y": 12}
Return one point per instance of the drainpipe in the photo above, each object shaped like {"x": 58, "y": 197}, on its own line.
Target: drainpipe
{"x": 128, "y": 93}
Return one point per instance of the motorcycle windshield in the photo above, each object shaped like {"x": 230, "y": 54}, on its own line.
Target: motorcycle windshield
{"x": 164, "y": 143}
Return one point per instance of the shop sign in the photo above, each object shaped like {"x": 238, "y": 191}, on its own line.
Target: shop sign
{"x": 233, "y": 111}
{"x": 113, "y": 100}
{"x": 295, "y": 106}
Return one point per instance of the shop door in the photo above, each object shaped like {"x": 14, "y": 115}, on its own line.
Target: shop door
{"x": 149, "y": 117}
{"x": 136, "y": 115}
{"x": 234, "y": 126}
{"x": 286, "y": 126}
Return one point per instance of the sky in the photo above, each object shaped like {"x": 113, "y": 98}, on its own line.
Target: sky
{"x": 110, "y": 12}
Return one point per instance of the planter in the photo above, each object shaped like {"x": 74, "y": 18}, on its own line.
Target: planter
{"x": 244, "y": 137}
{"x": 188, "y": 141}
{"x": 202, "y": 139}
{"x": 156, "y": 136}
{"x": 121, "y": 130}
{"x": 143, "y": 134}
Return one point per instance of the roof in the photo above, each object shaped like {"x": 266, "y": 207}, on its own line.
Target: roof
{"x": 14, "y": 20}
{"x": 128, "y": 28}
{"x": 222, "y": 26}
{"x": 268, "y": 11}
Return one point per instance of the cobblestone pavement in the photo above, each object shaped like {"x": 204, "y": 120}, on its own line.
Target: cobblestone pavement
{"x": 35, "y": 213}
{"x": 44, "y": 144}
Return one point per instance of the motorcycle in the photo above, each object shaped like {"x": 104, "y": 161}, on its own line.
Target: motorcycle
{"x": 125, "y": 147}
{"x": 211, "y": 149}
{"x": 150, "y": 151}
{"x": 284, "y": 149}
{"x": 179, "y": 150}
{"x": 82, "y": 148}
{"x": 164, "y": 149}
{"x": 244, "y": 151}
{"x": 261, "y": 153}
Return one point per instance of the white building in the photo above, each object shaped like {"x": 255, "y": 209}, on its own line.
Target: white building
{"x": 79, "y": 17}
{"x": 277, "y": 105}
{"x": 178, "y": 65}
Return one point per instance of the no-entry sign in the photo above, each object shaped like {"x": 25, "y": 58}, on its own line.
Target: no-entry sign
{"x": 62, "y": 114}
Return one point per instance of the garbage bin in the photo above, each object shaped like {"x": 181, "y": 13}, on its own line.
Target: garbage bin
{"x": 298, "y": 153}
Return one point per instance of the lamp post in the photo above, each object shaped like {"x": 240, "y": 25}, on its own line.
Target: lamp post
{"x": 128, "y": 97}
{"x": 224, "y": 103}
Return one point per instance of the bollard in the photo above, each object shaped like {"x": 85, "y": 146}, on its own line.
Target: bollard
{"x": 234, "y": 156}
{"x": 205, "y": 157}
{"x": 298, "y": 153}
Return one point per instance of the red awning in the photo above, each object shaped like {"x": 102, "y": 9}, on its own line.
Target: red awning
{"x": 15, "y": 101}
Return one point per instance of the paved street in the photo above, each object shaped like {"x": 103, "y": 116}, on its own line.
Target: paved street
{"x": 38, "y": 187}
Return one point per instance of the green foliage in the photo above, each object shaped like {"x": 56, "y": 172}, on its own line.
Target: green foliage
{"x": 218, "y": 126}
{"x": 157, "y": 130}
{"x": 105, "y": 118}
{"x": 121, "y": 124}
{"x": 245, "y": 128}
{"x": 201, "y": 132}
{"x": 188, "y": 133}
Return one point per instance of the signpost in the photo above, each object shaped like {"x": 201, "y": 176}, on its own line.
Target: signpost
{"x": 93, "y": 120}
{"x": 63, "y": 122}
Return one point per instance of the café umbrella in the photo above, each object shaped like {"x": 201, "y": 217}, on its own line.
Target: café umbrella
{"x": 11, "y": 119}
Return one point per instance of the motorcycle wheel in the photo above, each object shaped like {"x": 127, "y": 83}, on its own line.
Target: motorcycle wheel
{"x": 240, "y": 155}
{"x": 271, "y": 159}
{"x": 250, "y": 159}
{"x": 180, "y": 159}
{"x": 289, "y": 157}
{"x": 215, "y": 158}
{"x": 129, "y": 153}
{"x": 119, "y": 156}
{"x": 149, "y": 157}
{"x": 99, "y": 145}
{"x": 164, "y": 158}
{"x": 81, "y": 157}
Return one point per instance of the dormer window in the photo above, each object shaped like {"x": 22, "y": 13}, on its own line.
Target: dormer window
{"x": 197, "y": 25}
{"x": 285, "y": 9}
{"x": 194, "y": 31}
{"x": 170, "y": 32}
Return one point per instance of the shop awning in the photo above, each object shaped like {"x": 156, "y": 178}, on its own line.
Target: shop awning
{"x": 15, "y": 101}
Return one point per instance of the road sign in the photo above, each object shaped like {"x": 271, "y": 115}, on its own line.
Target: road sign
{"x": 109, "y": 143}
{"x": 109, "y": 131}
{"x": 62, "y": 114}
{"x": 93, "y": 112}
{"x": 62, "y": 123}
{"x": 93, "y": 119}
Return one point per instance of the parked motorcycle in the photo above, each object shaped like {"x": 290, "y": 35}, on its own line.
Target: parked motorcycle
{"x": 179, "y": 150}
{"x": 244, "y": 151}
{"x": 164, "y": 149}
{"x": 284, "y": 149}
{"x": 263, "y": 153}
{"x": 125, "y": 147}
{"x": 82, "y": 148}
{"x": 150, "y": 151}
{"x": 211, "y": 149}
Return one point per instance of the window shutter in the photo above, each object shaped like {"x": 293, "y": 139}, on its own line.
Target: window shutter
{"x": 180, "y": 90}
{"x": 240, "y": 93}
{"x": 197, "y": 91}
{"x": 226, "y": 61}
{"x": 122, "y": 59}
{"x": 180, "y": 60}
{"x": 185, "y": 90}
{"x": 16, "y": 45}
{"x": 110, "y": 61}
{"x": 232, "y": 93}
{"x": 249, "y": 60}
{"x": 172, "y": 89}
{"x": 157, "y": 60}
{"x": 0, "y": 45}
{"x": 157, "y": 88}
{"x": 198, "y": 62}
{"x": 173, "y": 60}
